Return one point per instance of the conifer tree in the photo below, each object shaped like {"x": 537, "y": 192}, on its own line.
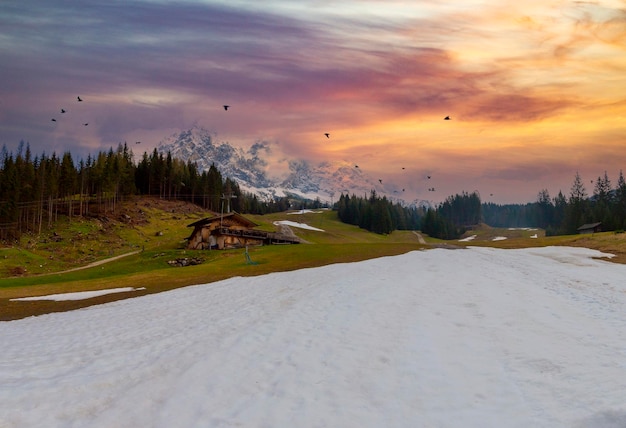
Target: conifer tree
{"x": 576, "y": 213}
{"x": 620, "y": 202}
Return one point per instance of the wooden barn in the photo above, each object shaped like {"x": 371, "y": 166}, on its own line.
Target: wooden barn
{"x": 231, "y": 230}
{"x": 590, "y": 228}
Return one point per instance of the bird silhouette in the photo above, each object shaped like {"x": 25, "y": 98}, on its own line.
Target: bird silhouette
{"x": 403, "y": 168}
{"x": 62, "y": 111}
{"x": 79, "y": 99}
{"x": 446, "y": 118}
{"x": 137, "y": 142}
{"x": 54, "y": 120}
{"x": 356, "y": 166}
{"x": 428, "y": 176}
{"x": 381, "y": 181}
{"x": 226, "y": 107}
{"x": 327, "y": 135}
{"x": 85, "y": 124}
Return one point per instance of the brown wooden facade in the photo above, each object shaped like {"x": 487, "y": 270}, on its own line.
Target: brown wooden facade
{"x": 231, "y": 230}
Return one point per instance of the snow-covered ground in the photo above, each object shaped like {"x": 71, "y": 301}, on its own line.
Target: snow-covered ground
{"x": 305, "y": 212}
{"x": 468, "y": 239}
{"x": 506, "y": 338}
{"x": 296, "y": 224}
{"x": 81, "y": 295}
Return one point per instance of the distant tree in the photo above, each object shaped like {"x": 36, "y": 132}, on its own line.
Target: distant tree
{"x": 68, "y": 179}
{"x": 577, "y": 212}
{"x": 544, "y": 210}
{"x": 560, "y": 207}
{"x": 603, "y": 199}
{"x": 437, "y": 226}
{"x": 376, "y": 214}
{"x": 620, "y": 201}
{"x": 461, "y": 210}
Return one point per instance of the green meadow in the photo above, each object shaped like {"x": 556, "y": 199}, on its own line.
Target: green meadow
{"x": 132, "y": 249}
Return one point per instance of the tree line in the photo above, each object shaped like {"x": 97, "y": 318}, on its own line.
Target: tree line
{"x": 36, "y": 189}
{"x": 377, "y": 214}
{"x": 451, "y": 218}
{"x": 563, "y": 215}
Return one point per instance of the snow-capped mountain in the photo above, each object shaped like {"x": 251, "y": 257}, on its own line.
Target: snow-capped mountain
{"x": 251, "y": 168}
{"x": 197, "y": 145}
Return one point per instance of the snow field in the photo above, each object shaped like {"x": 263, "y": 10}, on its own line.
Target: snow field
{"x": 479, "y": 337}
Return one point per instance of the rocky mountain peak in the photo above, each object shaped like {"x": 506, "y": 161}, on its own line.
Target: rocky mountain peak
{"x": 250, "y": 168}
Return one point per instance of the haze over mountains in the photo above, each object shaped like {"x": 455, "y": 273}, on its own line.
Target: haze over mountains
{"x": 255, "y": 171}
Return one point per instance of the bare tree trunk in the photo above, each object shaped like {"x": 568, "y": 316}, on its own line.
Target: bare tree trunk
{"x": 50, "y": 203}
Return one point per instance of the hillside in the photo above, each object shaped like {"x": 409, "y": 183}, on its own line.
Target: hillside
{"x": 146, "y": 233}
{"x": 149, "y": 232}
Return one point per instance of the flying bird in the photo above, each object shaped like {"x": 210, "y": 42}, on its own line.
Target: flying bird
{"x": 428, "y": 176}
{"x": 446, "y": 118}
{"x": 79, "y": 99}
{"x": 356, "y": 166}
{"x": 381, "y": 181}
{"x": 62, "y": 111}
{"x": 226, "y": 107}
{"x": 85, "y": 124}
{"x": 327, "y": 135}
{"x": 403, "y": 168}
{"x": 137, "y": 142}
{"x": 54, "y": 120}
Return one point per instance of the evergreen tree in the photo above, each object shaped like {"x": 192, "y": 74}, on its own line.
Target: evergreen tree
{"x": 576, "y": 213}
{"x": 560, "y": 207}
{"x": 544, "y": 211}
{"x": 603, "y": 201}
{"x": 620, "y": 202}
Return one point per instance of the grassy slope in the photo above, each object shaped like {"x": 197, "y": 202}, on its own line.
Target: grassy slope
{"x": 608, "y": 242}
{"x": 156, "y": 229}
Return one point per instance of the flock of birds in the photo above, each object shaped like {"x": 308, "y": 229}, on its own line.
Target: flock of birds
{"x": 80, "y": 100}
{"x": 63, "y": 111}
{"x": 327, "y": 135}
{"x": 226, "y": 107}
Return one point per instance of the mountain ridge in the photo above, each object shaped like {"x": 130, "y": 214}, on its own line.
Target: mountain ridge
{"x": 252, "y": 168}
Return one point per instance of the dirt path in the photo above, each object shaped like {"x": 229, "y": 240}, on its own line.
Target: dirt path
{"x": 93, "y": 264}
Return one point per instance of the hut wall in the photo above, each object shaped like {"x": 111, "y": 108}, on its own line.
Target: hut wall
{"x": 195, "y": 241}
{"x": 206, "y": 233}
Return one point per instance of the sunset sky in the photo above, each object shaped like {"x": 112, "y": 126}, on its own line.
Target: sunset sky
{"x": 536, "y": 90}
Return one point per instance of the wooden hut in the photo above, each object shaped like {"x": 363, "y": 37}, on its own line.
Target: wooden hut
{"x": 231, "y": 230}
{"x": 590, "y": 228}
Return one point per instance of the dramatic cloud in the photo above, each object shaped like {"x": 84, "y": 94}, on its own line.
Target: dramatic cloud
{"x": 378, "y": 76}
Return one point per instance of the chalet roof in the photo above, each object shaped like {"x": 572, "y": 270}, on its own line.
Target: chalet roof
{"x": 233, "y": 215}
{"x": 589, "y": 226}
